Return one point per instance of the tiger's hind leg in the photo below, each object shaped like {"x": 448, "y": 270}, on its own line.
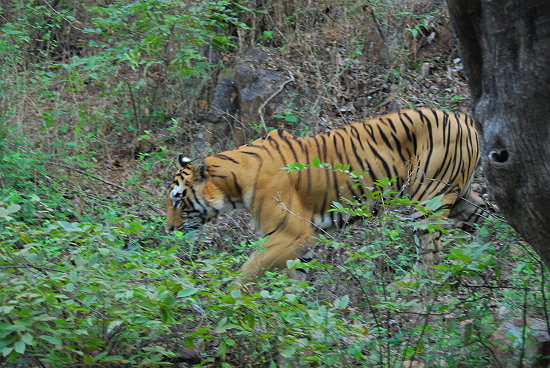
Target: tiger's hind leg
{"x": 467, "y": 208}
{"x": 470, "y": 209}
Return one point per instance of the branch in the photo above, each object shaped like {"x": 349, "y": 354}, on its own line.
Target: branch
{"x": 92, "y": 176}
{"x": 62, "y": 16}
{"x": 279, "y": 89}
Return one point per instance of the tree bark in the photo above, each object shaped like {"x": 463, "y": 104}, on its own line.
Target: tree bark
{"x": 505, "y": 47}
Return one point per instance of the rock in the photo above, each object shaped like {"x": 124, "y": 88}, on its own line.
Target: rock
{"x": 224, "y": 105}
{"x": 508, "y": 338}
{"x": 248, "y": 97}
{"x": 262, "y": 90}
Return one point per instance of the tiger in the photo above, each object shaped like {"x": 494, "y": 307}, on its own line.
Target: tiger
{"x": 428, "y": 153}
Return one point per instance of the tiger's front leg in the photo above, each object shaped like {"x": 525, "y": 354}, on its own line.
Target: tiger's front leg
{"x": 280, "y": 248}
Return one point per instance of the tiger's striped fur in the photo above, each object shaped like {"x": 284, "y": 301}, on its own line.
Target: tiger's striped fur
{"x": 429, "y": 152}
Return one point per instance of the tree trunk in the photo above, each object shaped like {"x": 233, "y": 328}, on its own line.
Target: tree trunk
{"x": 505, "y": 47}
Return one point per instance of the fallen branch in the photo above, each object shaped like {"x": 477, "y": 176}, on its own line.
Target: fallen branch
{"x": 93, "y": 176}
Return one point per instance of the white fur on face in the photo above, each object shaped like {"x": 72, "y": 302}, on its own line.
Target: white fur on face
{"x": 175, "y": 193}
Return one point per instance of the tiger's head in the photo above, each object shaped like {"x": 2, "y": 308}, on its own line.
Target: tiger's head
{"x": 192, "y": 199}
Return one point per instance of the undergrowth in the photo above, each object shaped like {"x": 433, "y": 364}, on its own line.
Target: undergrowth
{"x": 114, "y": 291}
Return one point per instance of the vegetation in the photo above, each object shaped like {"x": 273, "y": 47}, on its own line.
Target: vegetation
{"x": 96, "y": 99}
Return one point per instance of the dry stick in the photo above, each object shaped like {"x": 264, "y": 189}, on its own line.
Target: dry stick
{"x": 134, "y": 108}
{"x": 92, "y": 176}
{"x": 61, "y": 15}
{"x": 228, "y": 121}
{"x": 524, "y": 329}
{"x": 544, "y": 301}
{"x": 489, "y": 348}
{"x": 373, "y": 310}
{"x": 428, "y": 314}
{"x": 376, "y": 23}
{"x": 106, "y": 182}
{"x": 543, "y": 282}
{"x": 279, "y": 89}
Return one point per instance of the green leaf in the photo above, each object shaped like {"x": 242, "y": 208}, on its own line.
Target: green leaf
{"x": 169, "y": 300}
{"x": 293, "y": 263}
{"x": 13, "y": 208}
{"x": 19, "y": 346}
{"x": 288, "y": 350}
{"x": 433, "y": 203}
{"x": 222, "y": 326}
{"x": 316, "y": 162}
{"x": 6, "y": 351}
{"x": 468, "y": 331}
{"x": 52, "y": 339}
{"x": 5, "y": 309}
{"x": 187, "y": 292}
{"x": 27, "y": 338}
{"x": 458, "y": 255}
{"x": 342, "y": 303}
{"x": 167, "y": 315}
{"x": 235, "y": 293}
{"x": 112, "y": 325}
{"x": 188, "y": 342}
{"x": 200, "y": 331}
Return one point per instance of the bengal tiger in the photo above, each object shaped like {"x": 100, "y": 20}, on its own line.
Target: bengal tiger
{"x": 429, "y": 153}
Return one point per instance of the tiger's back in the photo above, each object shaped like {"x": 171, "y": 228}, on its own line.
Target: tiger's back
{"x": 428, "y": 152}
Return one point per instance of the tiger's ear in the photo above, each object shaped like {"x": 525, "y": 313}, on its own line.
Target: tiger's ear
{"x": 184, "y": 160}
{"x": 199, "y": 167}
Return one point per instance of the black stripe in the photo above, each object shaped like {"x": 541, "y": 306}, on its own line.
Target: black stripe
{"x": 336, "y": 186}
{"x": 404, "y": 125}
{"x": 287, "y": 141}
{"x": 352, "y": 190}
{"x": 258, "y": 212}
{"x": 357, "y": 157}
{"x": 324, "y": 207}
{"x": 369, "y": 130}
{"x": 280, "y": 225}
{"x": 324, "y": 152}
{"x": 233, "y": 204}
{"x": 391, "y": 125}
{"x": 305, "y": 151}
{"x": 338, "y": 152}
{"x": 384, "y": 138}
{"x": 398, "y": 149}
{"x": 224, "y": 157}
{"x": 431, "y": 140}
{"x": 197, "y": 201}
{"x": 300, "y": 172}
{"x": 384, "y": 163}
{"x": 251, "y": 153}
{"x": 356, "y": 134}
{"x": 318, "y": 148}
{"x": 237, "y": 185}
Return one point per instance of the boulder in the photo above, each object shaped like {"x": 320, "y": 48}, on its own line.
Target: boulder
{"x": 508, "y": 343}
